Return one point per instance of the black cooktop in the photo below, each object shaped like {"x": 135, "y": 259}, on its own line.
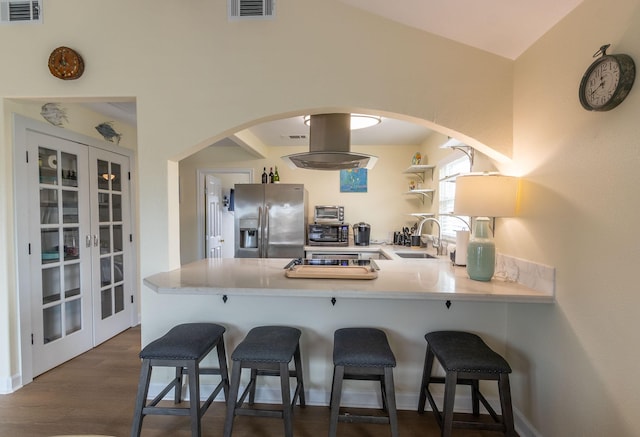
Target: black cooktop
{"x": 328, "y": 262}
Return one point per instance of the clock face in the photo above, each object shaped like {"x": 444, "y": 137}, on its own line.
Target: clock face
{"x": 602, "y": 82}
{"x": 66, "y": 63}
{"x": 607, "y": 82}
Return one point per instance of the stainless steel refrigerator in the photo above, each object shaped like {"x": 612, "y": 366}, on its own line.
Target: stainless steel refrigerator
{"x": 270, "y": 220}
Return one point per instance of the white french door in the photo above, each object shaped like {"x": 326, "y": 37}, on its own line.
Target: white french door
{"x": 112, "y": 281}
{"x": 79, "y": 282}
{"x": 59, "y": 257}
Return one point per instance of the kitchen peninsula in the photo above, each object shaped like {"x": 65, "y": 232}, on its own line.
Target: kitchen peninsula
{"x": 408, "y": 298}
{"x": 398, "y": 278}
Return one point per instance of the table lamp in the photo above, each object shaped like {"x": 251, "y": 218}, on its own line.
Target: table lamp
{"x": 485, "y": 196}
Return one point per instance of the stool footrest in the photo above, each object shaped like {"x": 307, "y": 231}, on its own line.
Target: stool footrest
{"x": 278, "y": 414}
{"x": 356, "y": 418}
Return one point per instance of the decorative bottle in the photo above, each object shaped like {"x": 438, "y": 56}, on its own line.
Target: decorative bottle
{"x": 276, "y": 176}
{"x": 481, "y": 252}
{"x": 264, "y": 175}
{"x": 270, "y": 175}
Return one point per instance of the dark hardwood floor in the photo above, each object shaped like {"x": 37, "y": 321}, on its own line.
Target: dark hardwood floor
{"x": 94, "y": 394}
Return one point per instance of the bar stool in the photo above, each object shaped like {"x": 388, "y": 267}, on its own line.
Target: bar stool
{"x": 266, "y": 350}
{"x": 363, "y": 354}
{"x": 183, "y": 347}
{"x": 466, "y": 359}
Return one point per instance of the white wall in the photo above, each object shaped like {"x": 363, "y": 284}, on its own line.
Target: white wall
{"x": 575, "y": 361}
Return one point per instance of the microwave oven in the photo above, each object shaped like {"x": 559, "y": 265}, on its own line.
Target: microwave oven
{"x": 328, "y": 214}
{"x": 328, "y": 234}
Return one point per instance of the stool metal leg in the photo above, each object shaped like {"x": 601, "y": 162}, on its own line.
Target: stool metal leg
{"x": 222, "y": 365}
{"x": 505, "y": 404}
{"x": 389, "y": 395}
{"x": 194, "y": 397}
{"x": 287, "y": 408}
{"x": 426, "y": 377}
{"x": 338, "y": 374}
{"x": 234, "y": 388}
{"x": 141, "y": 397}
{"x": 449, "y": 400}
{"x": 297, "y": 361}
{"x": 475, "y": 401}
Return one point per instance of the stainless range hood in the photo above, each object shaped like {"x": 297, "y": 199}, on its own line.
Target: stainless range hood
{"x": 329, "y": 146}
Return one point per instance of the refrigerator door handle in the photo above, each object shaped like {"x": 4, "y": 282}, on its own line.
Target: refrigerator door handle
{"x": 259, "y": 236}
{"x": 265, "y": 237}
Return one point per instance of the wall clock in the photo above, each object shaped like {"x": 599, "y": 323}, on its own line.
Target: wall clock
{"x": 607, "y": 81}
{"x": 66, "y": 63}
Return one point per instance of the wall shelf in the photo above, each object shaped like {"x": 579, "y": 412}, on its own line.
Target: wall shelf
{"x": 422, "y": 192}
{"x": 420, "y": 170}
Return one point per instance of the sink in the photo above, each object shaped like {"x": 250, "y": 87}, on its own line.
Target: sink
{"x": 415, "y": 255}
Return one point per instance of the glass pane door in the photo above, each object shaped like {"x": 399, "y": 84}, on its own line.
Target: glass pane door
{"x": 111, "y": 225}
{"x": 61, "y": 288}
{"x": 60, "y": 244}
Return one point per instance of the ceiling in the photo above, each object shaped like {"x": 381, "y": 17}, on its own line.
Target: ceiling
{"x": 502, "y": 27}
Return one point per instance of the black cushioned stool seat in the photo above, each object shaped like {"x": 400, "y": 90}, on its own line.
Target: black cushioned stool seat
{"x": 266, "y": 350}
{"x": 466, "y": 359}
{"x": 363, "y": 354}
{"x": 183, "y": 347}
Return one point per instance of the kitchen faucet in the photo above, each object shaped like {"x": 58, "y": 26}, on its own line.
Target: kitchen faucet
{"x": 436, "y": 244}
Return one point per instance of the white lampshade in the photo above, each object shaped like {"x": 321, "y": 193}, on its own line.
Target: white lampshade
{"x": 487, "y": 195}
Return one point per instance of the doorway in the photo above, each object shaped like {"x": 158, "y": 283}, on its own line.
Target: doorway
{"x": 214, "y": 198}
{"x": 73, "y": 217}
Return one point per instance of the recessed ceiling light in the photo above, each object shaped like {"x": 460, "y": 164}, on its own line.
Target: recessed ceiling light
{"x": 358, "y": 121}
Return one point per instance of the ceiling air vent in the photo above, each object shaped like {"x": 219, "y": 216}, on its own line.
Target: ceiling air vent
{"x": 20, "y": 11}
{"x": 251, "y": 9}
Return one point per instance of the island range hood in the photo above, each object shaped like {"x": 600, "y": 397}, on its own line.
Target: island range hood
{"x": 329, "y": 146}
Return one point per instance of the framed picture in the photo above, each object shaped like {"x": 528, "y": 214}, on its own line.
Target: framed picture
{"x": 353, "y": 180}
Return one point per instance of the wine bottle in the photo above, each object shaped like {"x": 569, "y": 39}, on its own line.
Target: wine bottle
{"x": 270, "y": 174}
{"x": 276, "y": 176}
{"x": 264, "y": 175}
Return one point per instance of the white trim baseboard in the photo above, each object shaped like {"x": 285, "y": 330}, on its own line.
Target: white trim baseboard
{"x": 361, "y": 399}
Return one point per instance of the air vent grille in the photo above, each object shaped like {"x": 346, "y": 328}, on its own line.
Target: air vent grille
{"x": 251, "y": 9}
{"x": 20, "y": 11}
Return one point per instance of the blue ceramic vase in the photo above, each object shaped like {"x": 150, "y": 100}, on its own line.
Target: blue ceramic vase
{"x": 481, "y": 252}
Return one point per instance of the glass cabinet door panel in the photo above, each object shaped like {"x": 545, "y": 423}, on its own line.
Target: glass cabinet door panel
{"x": 104, "y": 176}
{"x": 52, "y": 323}
{"x": 50, "y": 285}
{"x": 71, "y": 280}
{"x": 106, "y": 303}
{"x": 105, "y": 240}
{"x": 73, "y": 316}
{"x": 48, "y": 166}
{"x": 117, "y": 238}
{"x": 117, "y": 207}
{"x": 69, "y": 170}
{"x": 48, "y": 206}
{"x": 50, "y": 243}
{"x": 71, "y": 244}
{"x": 103, "y": 207}
{"x": 118, "y": 273}
{"x": 116, "y": 180}
{"x": 69, "y": 206}
{"x": 119, "y": 298}
{"x": 105, "y": 271}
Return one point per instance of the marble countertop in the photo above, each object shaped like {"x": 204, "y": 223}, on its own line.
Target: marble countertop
{"x": 398, "y": 278}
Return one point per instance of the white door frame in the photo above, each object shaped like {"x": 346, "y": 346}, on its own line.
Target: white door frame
{"x": 201, "y": 183}
{"x": 21, "y": 125}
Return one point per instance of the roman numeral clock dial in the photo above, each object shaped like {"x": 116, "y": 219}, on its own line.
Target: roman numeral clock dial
{"x": 607, "y": 81}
